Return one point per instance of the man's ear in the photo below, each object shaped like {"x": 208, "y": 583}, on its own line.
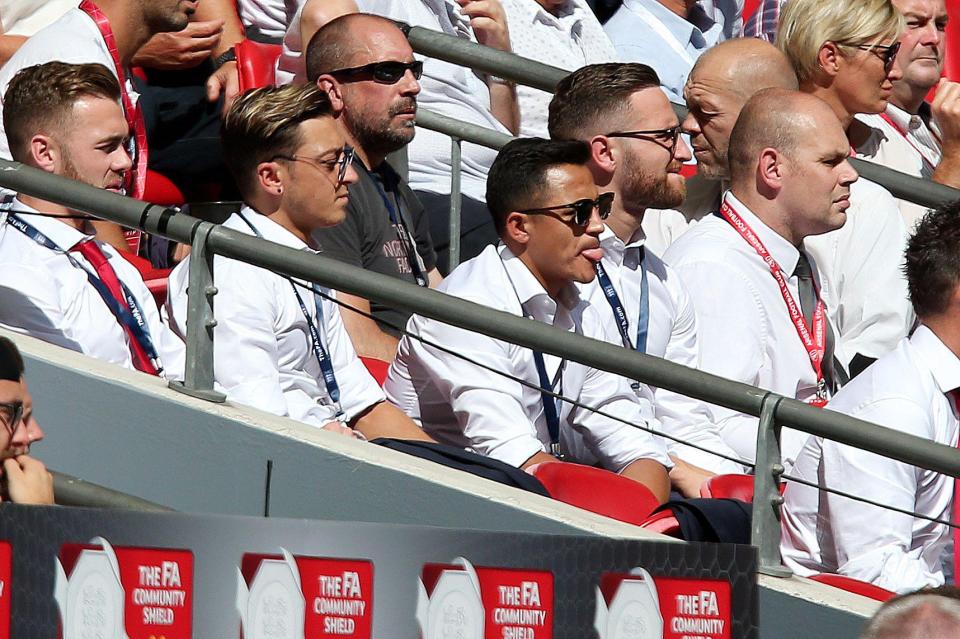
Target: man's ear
{"x": 603, "y": 160}
{"x": 332, "y": 87}
{"x": 770, "y": 168}
{"x": 516, "y": 229}
{"x": 270, "y": 178}
{"x": 45, "y": 153}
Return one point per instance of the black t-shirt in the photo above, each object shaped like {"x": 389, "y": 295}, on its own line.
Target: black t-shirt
{"x": 369, "y": 239}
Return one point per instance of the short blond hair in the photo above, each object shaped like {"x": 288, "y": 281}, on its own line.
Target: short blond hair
{"x": 805, "y": 25}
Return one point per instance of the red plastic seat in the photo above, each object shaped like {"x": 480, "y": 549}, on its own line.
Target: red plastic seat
{"x": 256, "y": 64}
{"x": 596, "y": 490}
{"x": 154, "y": 278}
{"x": 377, "y": 367}
{"x": 855, "y": 586}
{"x": 663, "y": 522}
{"x": 730, "y": 486}
{"x": 158, "y": 189}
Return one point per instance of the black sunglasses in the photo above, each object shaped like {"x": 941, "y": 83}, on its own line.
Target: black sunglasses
{"x": 582, "y": 209}
{"x": 888, "y": 52}
{"x": 12, "y": 415}
{"x": 388, "y": 72}
{"x": 668, "y": 136}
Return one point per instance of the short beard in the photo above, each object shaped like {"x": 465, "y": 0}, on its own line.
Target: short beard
{"x": 645, "y": 191}
{"x": 377, "y": 136}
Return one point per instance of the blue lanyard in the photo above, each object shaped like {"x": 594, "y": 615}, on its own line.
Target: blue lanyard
{"x": 643, "y": 317}
{"x": 551, "y": 404}
{"x": 319, "y": 350}
{"x": 133, "y": 319}
{"x": 396, "y": 219}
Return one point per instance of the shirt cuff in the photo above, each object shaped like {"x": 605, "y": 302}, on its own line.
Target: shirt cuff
{"x": 514, "y": 451}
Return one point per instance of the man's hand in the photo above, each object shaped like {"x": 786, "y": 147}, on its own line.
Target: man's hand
{"x": 489, "y": 22}
{"x": 341, "y": 429}
{"x": 687, "y": 478}
{"x": 180, "y": 49}
{"x": 946, "y": 112}
{"x": 28, "y": 481}
{"x": 226, "y": 81}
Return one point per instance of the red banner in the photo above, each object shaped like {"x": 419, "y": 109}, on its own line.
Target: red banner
{"x": 518, "y": 603}
{"x": 6, "y": 554}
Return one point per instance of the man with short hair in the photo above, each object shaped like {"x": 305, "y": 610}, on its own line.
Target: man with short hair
{"x": 927, "y": 614}
{"x": 279, "y": 342}
{"x": 913, "y": 389}
{"x": 761, "y": 318}
{"x": 636, "y": 153}
{"x": 366, "y": 66}
{"x": 57, "y": 283}
{"x": 548, "y": 212}
{"x": 24, "y": 479}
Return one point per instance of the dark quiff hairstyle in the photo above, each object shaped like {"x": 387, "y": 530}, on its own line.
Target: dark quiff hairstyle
{"x": 11, "y": 363}
{"x": 591, "y": 100}
{"x": 933, "y": 260}
{"x": 518, "y": 176}
{"x": 40, "y": 98}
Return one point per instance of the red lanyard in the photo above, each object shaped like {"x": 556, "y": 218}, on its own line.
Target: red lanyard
{"x": 136, "y": 179}
{"x": 815, "y": 343}
{"x": 906, "y": 137}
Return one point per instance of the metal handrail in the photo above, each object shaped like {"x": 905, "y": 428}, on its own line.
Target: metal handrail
{"x": 213, "y": 239}
{"x": 72, "y": 491}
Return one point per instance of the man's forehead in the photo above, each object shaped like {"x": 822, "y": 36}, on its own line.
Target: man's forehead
{"x": 379, "y": 45}
{"x": 11, "y": 391}
{"x": 921, "y": 7}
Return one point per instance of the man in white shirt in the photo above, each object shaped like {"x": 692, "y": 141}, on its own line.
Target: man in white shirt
{"x": 487, "y": 395}
{"x": 56, "y": 282}
{"x": 280, "y": 345}
{"x": 912, "y": 135}
{"x": 858, "y": 260}
{"x": 636, "y": 153}
{"x": 913, "y": 389}
{"x": 762, "y": 320}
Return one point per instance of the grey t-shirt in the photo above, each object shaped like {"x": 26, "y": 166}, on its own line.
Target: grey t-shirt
{"x": 369, "y": 238}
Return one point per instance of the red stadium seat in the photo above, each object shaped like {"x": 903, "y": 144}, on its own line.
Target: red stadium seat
{"x": 256, "y": 64}
{"x": 160, "y": 190}
{"x": 663, "y": 522}
{"x": 154, "y": 278}
{"x": 377, "y": 367}
{"x": 598, "y": 491}
{"x": 730, "y": 487}
{"x": 855, "y": 586}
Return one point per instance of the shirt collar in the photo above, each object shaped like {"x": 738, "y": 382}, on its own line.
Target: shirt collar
{"x": 570, "y": 16}
{"x": 903, "y": 120}
{"x": 783, "y": 252}
{"x": 534, "y": 299}
{"x": 266, "y": 227}
{"x": 63, "y": 235}
{"x": 615, "y": 249}
{"x": 943, "y": 364}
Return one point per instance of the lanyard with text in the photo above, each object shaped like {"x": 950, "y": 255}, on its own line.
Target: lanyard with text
{"x": 137, "y": 180}
{"x": 620, "y": 314}
{"x": 319, "y": 350}
{"x": 816, "y": 342}
{"x": 928, "y": 161}
{"x": 133, "y": 319}
{"x": 396, "y": 218}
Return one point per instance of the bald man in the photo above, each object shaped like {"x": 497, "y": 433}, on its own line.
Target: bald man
{"x": 857, "y": 261}
{"x": 927, "y": 614}
{"x": 366, "y": 66}
{"x": 789, "y": 180}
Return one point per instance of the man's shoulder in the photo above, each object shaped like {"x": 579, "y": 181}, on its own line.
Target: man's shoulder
{"x": 709, "y": 240}
{"x": 73, "y": 38}
{"x": 482, "y": 280}
{"x": 896, "y": 378}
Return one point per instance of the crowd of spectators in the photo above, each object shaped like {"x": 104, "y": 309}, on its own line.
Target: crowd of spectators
{"x": 777, "y": 265}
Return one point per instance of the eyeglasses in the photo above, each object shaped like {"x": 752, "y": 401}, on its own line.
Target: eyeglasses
{"x": 11, "y": 414}
{"x": 666, "y": 137}
{"x": 582, "y": 210}
{"x": 888, "y": 52}
{"x": 388, "y": 72}
{"x": 342, "y": 160}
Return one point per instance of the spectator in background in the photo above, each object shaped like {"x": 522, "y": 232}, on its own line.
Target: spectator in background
{"x": 764, "y": 323}
{"x": 57, "y": 283}
{"x": 670, "y": 35}
{"x": 856, "y": 261}
{"x": 20, "y": 19}
{"x": 280, "y": 345}
{"x": 636, "y": 152}
{"x": 913, "y": 389}
{"x": 25, "y": 479}
{"x": 386, "y": 229}
{"x": 548, "y": 212}
{"x": 561, "y": 33}
{"x": 926, "y": 614}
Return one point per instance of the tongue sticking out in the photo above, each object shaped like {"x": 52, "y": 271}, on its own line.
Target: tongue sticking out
{"x": 594, "y": 254}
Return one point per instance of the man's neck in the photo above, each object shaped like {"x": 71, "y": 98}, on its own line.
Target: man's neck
{"x": 42, "y": 206}
{"x": 768, "y": 213}
{"x": 128, "y": 26}
{"x": 678, "y": 7}
{"x": 907, "y": 97}
{"x": 281, "y": 217}
{"x": 623, "y": 223}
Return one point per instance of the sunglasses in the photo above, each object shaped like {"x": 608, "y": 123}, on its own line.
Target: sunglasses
{"x": 342, "y": 161}
{"x": 668, "y": 136}
{"x": 582, "y": 210}
{"x": 887, "y": 52}
{"x": 388, "y": 72}
{"x": 11, "y": 414}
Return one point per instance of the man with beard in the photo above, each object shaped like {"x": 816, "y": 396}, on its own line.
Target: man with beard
{"x": 56, "y": 282}
{"x": 367, "y": 68}
{"x": 636, "y": 153}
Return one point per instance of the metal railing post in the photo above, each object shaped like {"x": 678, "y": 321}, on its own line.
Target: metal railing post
{"x": 198, "y": 374}
{"x": 765, "y": 526}
{"x": 456, "y": 166}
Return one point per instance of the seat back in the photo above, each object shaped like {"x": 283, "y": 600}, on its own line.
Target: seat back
{"x": 855, "y": 586}
{"x": 256, "y": 64}
{"x": 598, "y": 491}
{"x": 663, "y": 522}
{"x": 728, "y": 486}
{"x": 377, "y": 367}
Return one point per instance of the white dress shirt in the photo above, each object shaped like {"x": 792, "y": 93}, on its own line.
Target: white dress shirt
{"x": 904, "y": 143}
{"x": 46, "y": 295}
{"x": 823, "y": 532}
{"x": 263, "y": 356}
{"x": 671, "y": 335}
{"x": 746, "y": 333}
{"x": 461, "y": 404}
{"x": 569, "y": 40}
{"x": 448, "y": 89}
{"x": 270, "y": 17}
{"x": 26, "y": 17}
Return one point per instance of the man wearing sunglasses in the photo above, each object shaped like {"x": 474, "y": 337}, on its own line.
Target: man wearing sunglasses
{"x": 24, "y": 479}
{"x": 498, "y": 399}
{"x": 636, "y": 153}
{"x": 280, "y": 345}
{"x": 366, "y": 66}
